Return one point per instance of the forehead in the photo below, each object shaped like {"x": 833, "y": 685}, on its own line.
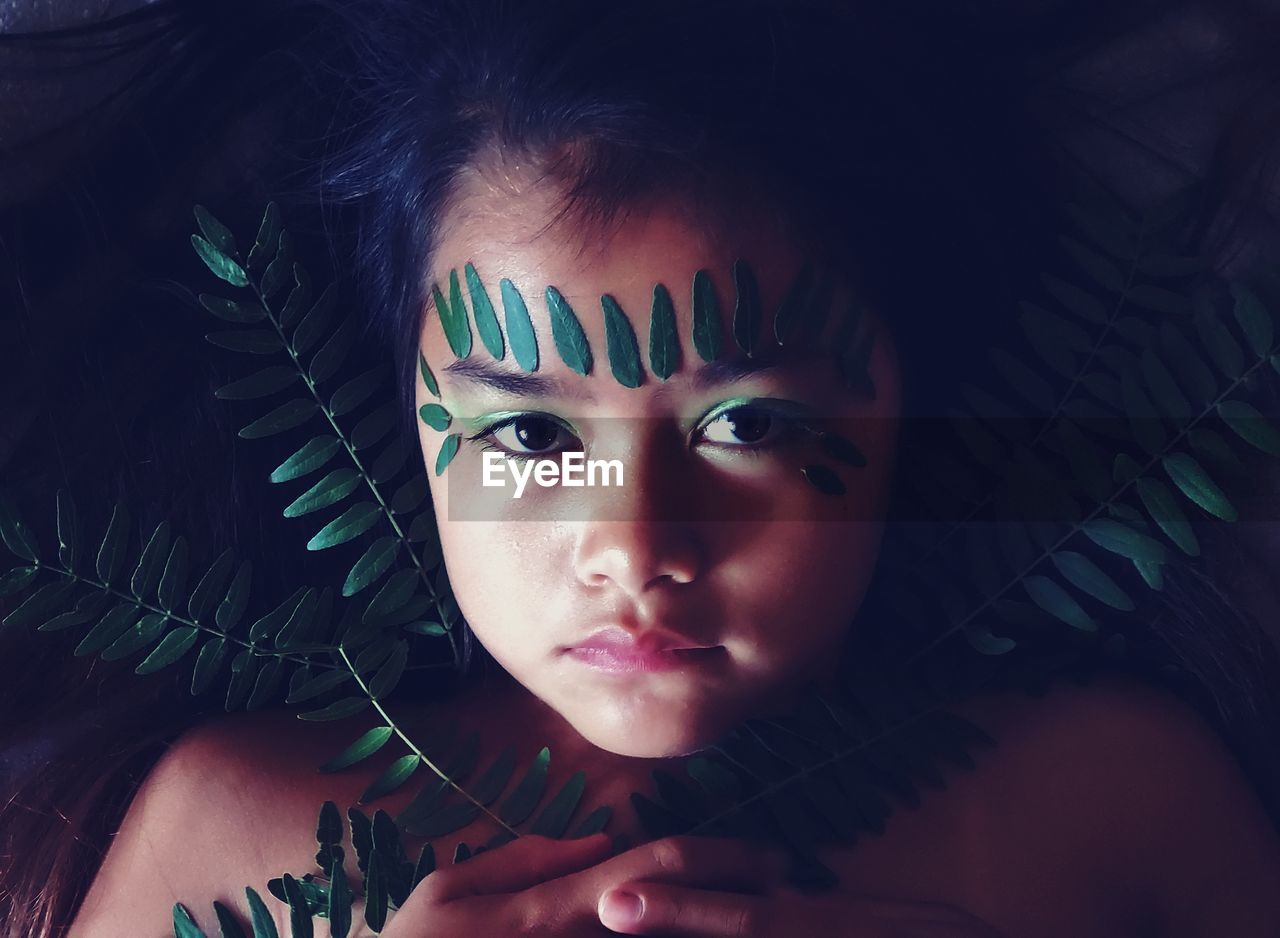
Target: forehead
{"x": 625, "y": 267}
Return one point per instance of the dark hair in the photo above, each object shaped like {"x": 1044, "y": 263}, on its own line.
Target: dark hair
{"x": 902, "y": 137}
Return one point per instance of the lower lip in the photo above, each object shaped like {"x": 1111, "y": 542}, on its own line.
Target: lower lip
{"x": 618, "y": 661}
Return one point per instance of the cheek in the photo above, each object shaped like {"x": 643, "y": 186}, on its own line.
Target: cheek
{"x": 801, "y": 586}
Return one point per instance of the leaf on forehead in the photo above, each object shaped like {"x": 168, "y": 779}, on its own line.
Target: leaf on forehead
{"x": 620, "y": 341}
{"x": 706, "y": 317}
{"x": 482, "y": 311}
{"x": 566, "y": 331}
{"x": 664, "y": 338}
{"x": 457, "y": 333}
{"x": 448, "y": 450}
{"x": 746, "y": 310}
{"x": 792, "y": 309}
{"x": 524, "y": 344}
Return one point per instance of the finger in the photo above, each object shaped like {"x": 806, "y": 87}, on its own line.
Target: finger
{"x": 708, "y": 862}
{"x": 520, "y": 864}
{"x": 660, "y": 908}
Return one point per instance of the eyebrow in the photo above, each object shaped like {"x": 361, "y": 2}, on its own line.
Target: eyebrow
{"x": 519, "y": 384}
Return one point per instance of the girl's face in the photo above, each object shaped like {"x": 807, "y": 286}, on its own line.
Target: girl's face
{"x": 715, "y": 543}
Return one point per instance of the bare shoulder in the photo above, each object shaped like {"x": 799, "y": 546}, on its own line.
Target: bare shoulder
{"x": 232, "y": 803}
{"x": 1134, "y": 783}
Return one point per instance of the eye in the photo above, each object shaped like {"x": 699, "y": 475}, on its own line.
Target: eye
{"x": 524, "y": 436}
{"x": 747, "y": 427}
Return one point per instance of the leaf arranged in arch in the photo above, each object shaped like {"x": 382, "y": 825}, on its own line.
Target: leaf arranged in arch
{"x": 567, "y": 333}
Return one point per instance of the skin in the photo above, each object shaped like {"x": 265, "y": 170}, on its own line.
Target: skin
{"x": 656, "y": 554}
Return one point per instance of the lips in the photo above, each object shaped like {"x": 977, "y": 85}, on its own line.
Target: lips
{"x": 618, "y": 640}
{"x": 615, "y": 650}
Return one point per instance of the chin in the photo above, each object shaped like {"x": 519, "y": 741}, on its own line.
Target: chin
{"x": 657, "y": 743}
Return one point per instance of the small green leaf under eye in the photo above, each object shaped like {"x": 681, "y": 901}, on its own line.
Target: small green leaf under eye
{"x": 435, "y": 416}
{"x": 428, "y": 378}
{"x": 823, "y": 479}
{"x": 448, "y": 450}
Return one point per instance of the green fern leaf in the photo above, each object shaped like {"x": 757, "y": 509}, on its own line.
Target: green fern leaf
{"x": 41, "y": 605}
{"x": 350, "y": 524}
{"x": 388, "y": 676}
{"x": 1250, "y": 425}
{"x": 361, "y": 749}
{"x": 338, "y": 710}
{"x": 706, "y": 317}
{"x": 299, "y": 297}
{"x": 396, "y": 775}
{"x": 219, "y": 263}
{"x": 554, "y": 819}
{"x": 1123, "y": 540}
{"x": 174, "y": 578}
{"x": 228, "y": 927}
{"x": 316, "y": 322}
{"x": 286, "y": 416}
{"x": 212, "y": 654}
{"x": 146, "y": 576}
{"x": 334, "y": 351}
{"x": 264, "y": 246}
{"x": 277, "y": 272}
{"x": 330, "y": 490}
{"x": 746, "y": 310}
{"x": 375, "y": 561}
{"x": 356, "y": 391}
{"x": 664, "y": 337}
{"x": 1085, "y": 575}
{"x": 1189, "y": 476}
{"x": 485, "y": 317}
{"x": 263, "y": 924}
{"x": 1223, "y": 349}
{"x": 265, "y": 685}
{"x": 170, "y": 650}
{"x": 111, "y": 554}
{"x": 1254, "y": 320}
{"x": 143, "y": 633}
{"x": 300, "y": 922}
{"x": 524, "y": 344}
{"x": 374, "y": 427}
{"x": 312, "y": 456}
{"x": 567, "y": 333}
{"x": 231, "y": 310}
{"x": 233, "y": 604}
{"x": 110, "y": 627}
{"x": 17, "y": 580}
{"x": 340, "y": 904}
{"x": 1054, "y": 600}
{"x": 521, "y": 802}
{"x": 183, "y": 926}
{"x": 249, "y": 341}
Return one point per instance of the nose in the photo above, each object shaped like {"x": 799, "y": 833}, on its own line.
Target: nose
{"x": 634, "y": 538}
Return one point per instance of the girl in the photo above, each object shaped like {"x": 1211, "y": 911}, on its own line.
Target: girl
{"x": 652, "y": 198}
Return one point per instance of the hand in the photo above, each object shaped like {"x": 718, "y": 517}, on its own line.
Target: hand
{"x": 537, "y": 885}
{"x": 677, "y": 906}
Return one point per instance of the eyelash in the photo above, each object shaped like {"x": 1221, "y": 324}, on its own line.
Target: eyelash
{"x": 791, "y": 424}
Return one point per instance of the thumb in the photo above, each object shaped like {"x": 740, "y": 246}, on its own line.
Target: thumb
{"x": 519, "y": 864}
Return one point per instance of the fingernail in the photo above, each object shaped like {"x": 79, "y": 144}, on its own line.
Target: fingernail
{"x": 620, "y": 909}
